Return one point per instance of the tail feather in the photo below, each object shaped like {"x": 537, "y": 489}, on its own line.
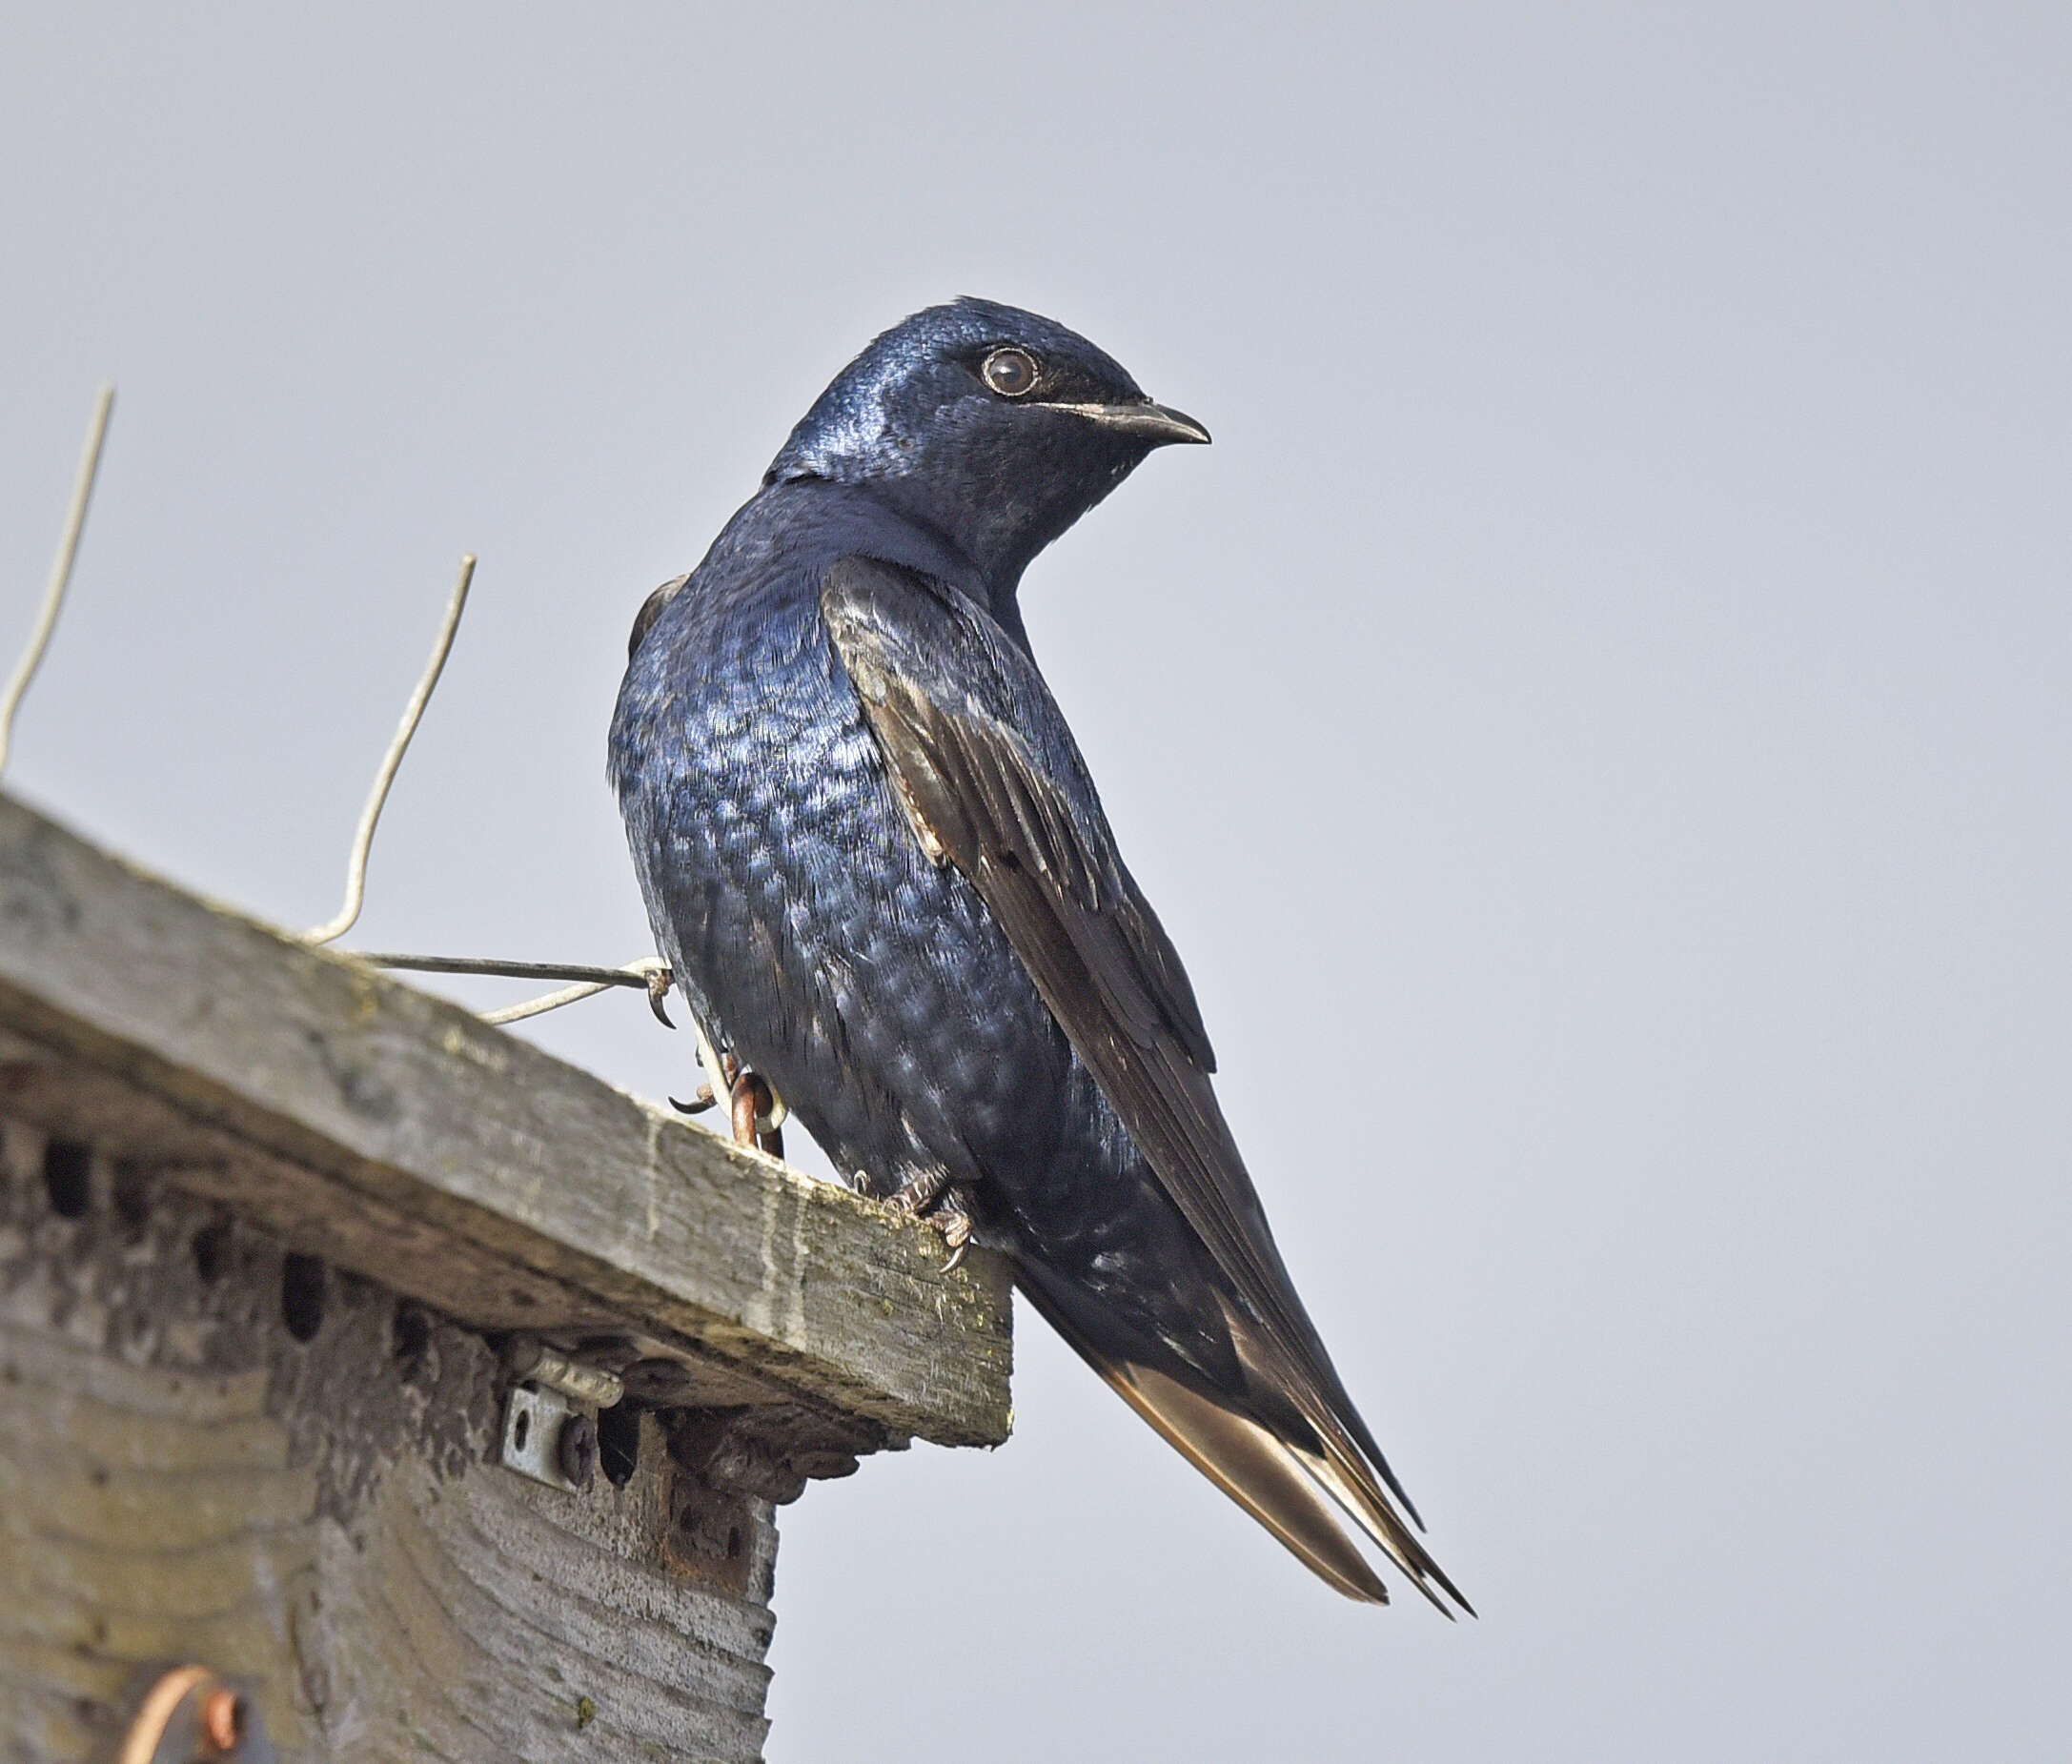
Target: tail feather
{"x": 1255, "y": 1470}
{"x": 1281, "y": 1481}
{"x": 1357, "y": 1495}
{"x": 1339, "y": 1459}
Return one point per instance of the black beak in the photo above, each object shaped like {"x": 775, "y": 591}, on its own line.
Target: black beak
{"x": 1157, "y": 423}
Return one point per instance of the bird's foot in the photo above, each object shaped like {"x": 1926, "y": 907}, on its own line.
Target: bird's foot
{"x": 955, "y": 1223}
{"x": 659, "y": 983}
{"x": 756, "y": 1113}
{"x": 865, "y": 1184}
{"x": 698, "y": 1104}
{"x": 931, "y": 1197}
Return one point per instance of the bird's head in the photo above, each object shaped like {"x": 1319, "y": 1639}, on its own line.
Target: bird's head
{"x": 993, "y": 426}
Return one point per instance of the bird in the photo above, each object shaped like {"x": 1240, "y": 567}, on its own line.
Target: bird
{"x": 876, "y": 864}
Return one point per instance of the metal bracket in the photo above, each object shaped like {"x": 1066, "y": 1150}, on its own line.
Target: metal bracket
{"x": 545, "y": 1435}
{"x": 533, "y": 1424}
{"x": 536, "y": 1362}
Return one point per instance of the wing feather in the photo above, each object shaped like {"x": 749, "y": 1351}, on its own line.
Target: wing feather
{"x": 961, "y": 748}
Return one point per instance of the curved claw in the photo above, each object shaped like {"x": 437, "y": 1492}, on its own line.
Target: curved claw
{"x": 658, "y": 984}
{"x": 956, "y": 1256}
{"x": 698, "y": 1106}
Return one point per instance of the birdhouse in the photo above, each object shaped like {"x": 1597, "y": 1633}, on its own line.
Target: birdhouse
{"x": 373, "y": 1385}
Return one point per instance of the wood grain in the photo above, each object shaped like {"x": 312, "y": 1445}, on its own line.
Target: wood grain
{"x": 320, "y": 1516}
{"x": 395, "y": 1134}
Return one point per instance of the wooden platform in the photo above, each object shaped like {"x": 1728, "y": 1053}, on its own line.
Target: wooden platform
{"x": 275, "y": 1230}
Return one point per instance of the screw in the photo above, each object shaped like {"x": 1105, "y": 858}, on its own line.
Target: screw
{"x": 577, "y": 1449}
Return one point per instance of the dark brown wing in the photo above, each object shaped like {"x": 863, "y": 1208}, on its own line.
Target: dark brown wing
{"x": 992, "y": 782}
{"x": 651, "y": 608}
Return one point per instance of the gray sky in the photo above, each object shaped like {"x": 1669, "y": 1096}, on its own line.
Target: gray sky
{"x": 1596, "y": 723}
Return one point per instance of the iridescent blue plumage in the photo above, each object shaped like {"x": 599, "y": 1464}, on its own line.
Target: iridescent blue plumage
{"x": 811, "y": 934}
{"x": 874, "y": 858}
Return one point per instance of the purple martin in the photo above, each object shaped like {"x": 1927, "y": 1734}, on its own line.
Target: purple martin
{"x": 877, "y": 865}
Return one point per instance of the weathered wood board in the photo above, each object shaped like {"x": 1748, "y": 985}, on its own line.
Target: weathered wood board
{"x": 396, "y": 1134}
{"x": 268, "y": 1219}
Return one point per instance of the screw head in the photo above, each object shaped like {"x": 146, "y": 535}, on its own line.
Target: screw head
{"x": 577, "y": 1449}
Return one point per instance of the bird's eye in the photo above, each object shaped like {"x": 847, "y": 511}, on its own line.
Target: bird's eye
{"x": 1011, "y": 372}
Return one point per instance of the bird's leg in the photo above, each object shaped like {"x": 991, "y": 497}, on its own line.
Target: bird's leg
{"x": 755, "y": 1110}
{"x": 743, "y": 1101}
{"x": 918, "y": 1194}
